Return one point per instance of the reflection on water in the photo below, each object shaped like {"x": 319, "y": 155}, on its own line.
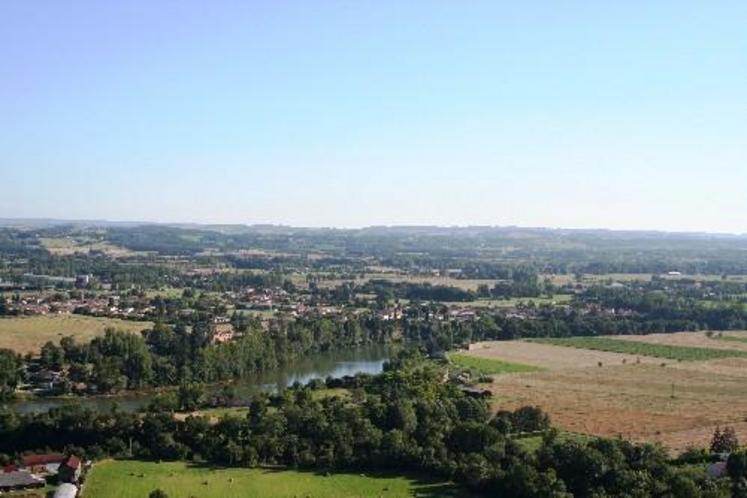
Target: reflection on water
{"x": 369, "y": 359}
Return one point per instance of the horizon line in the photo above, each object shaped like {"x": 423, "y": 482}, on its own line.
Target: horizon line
{"x": 103, "y": 221}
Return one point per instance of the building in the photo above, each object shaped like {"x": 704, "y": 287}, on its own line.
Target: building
{"x": 19, "y": 480}
{"x": 70, "y": 469}
{"x": 44, "y": 464}
{"x": 82, "y": 281}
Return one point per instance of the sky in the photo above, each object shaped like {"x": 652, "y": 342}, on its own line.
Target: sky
{"x": 623, "y": 115}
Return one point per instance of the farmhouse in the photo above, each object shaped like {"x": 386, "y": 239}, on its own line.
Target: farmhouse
{"x": 20, "y": 479}
{"x": 44, "y": 464}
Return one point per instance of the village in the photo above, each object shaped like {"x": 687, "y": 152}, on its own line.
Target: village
{"x": 44, "y": 472}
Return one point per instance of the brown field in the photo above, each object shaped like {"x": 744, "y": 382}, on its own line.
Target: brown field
{"x": 28, "y": 334}
{"x": 67, "y": 246}
{"x": 552, "y": 357}
{"x": 677, "y": 405}
{"x": 689, "y": 339}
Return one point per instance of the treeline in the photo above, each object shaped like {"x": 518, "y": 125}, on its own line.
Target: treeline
{"x": 388, "y": 290}
{"x": 142, "y": 272}
{"x": 403, "y": 420}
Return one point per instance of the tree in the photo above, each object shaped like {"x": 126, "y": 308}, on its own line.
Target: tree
{"x": 52, "y": 356}
{"x": 10, "y": 372}
{"x": 724, "y": 441}
{"x": 158, "y": 493}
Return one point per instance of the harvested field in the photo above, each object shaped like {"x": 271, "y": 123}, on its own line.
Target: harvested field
{"x": 28, "y": 334}
{"x": 632, "y": 401}
{"x": 551, "y": 357}
{"x": 678, "y": 405}
{"x": 691, "y": 339}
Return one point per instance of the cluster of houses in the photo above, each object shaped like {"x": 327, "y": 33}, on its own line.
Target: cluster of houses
{"x": 35, "y": 471}
{"x": 109, "y": 306}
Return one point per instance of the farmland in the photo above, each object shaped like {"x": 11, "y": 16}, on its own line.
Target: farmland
{"x": 738, "y": 338}
{"x": 135, "y": 479}
{"x": 28, "y": 334}
{"x": 639, "y": 347}
{"x": 65, "y": 246}
{"x": 490, "y": 366}
{"x": 621, "y": 393}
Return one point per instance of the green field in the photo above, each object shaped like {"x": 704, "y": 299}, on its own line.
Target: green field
{"x": 731, "y": 337}
{"x": 532, "y": 444}
{"x": 28, "y": 334}
{"x": 489, "y": 366}
{"x": 683, "y": 353}
{"x": 135, "y": 479}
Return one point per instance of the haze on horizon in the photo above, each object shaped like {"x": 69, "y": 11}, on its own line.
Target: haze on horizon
{"x": 348, "y": 114}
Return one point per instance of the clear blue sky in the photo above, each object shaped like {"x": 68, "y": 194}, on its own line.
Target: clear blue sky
{"x": 574, "y": 114}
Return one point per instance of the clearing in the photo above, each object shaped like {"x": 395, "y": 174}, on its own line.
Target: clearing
{"x": 135, "y": 479}
{"x": 28, "y": 334}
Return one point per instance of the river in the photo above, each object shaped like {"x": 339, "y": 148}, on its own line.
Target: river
{"x": 368, "y": 359}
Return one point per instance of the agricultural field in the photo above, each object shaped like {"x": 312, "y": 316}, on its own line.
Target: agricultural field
{"x": 490, "y": 366}
{"x": 65, "y": 246}
{"x": 643, "y": 398}
{"x": 714, "y": 340}
{"x": 639, "y": 346}
{"x": 732, "y": 337}
{"x": 589, "y": 278}
{"x": 550, "y": 357}
{"x": 28, "y": 334}
{"x": 135, "y": 479}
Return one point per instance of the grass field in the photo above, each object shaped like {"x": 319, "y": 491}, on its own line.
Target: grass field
{"x": 639, "y": 347}
{"x": 534, "y": 443}
{"x": 490, "y": 366}
{"x": 135, "y": 479}
{"x": 28, "y": 334}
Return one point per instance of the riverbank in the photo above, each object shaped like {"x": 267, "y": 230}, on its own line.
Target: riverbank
{"x": 336, "y": 364}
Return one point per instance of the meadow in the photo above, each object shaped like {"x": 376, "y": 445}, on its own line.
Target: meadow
{"x": 136, "y": 479}
{"x": 28, "y": 334}
{"x": 490, "y": 366}
{"x": 636, "y": 347}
